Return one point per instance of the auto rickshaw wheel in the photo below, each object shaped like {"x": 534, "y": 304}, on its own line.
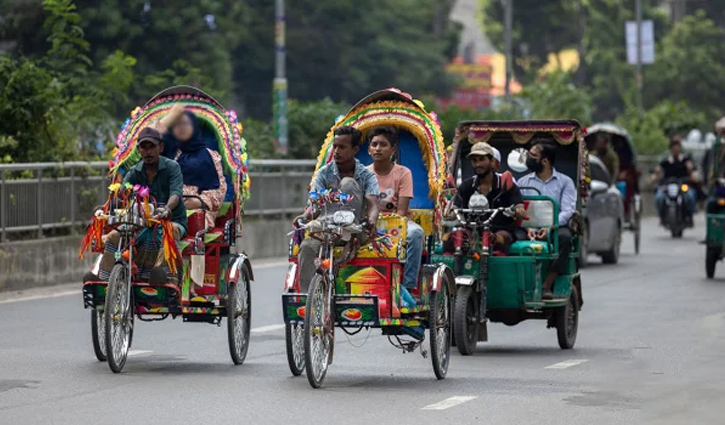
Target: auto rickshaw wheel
{"x": 119, "y": 317}
{"x": 612, "y": 256}
{"x": 567, "y": 321}
{"x": 439, "y": 319}
{"x": 239, "y": 315}
{"x": 294, "y": 337}
{"x": 98, "y": 334}
{"x": 711, "y": 258}
{"x": 465, "y": 320}
{"x": 318, "y": 330}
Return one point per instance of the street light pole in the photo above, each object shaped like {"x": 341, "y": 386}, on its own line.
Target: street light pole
{"x": 280, "y": 80}
{"x": 508, "y": 23}
{"x": 638, "y": 13}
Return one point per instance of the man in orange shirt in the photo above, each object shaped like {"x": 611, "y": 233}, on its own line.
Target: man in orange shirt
{"x": 396, "y": 191}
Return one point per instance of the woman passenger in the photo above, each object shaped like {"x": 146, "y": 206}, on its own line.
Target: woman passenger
{"x": 183, "y": 142}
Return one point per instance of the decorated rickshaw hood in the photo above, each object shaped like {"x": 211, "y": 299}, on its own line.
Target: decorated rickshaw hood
{"x": 224, "y": 123}
{"x": 394, "y": 107}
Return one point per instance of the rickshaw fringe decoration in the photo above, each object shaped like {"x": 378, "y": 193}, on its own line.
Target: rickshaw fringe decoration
{"x": 171, "y": 250}
{"x": 95, "y": 233}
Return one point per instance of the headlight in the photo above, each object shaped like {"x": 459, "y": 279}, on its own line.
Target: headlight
{"x": 343, "y": 218}
{"x": 685, "y": 188}
{"x": 673, "y": 190}
{"x": 478, "y": 201}
{"x": 721, "y": 202}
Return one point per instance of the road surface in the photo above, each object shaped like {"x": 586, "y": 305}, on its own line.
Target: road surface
{"x": 649, "y": 350}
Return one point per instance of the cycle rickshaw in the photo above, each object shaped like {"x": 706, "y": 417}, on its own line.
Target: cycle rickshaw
{"x": 360, "y": 289}
{"x": 628, "y": 178}
{"x": 507, "y": 287}
{"x": 222, "y": 275}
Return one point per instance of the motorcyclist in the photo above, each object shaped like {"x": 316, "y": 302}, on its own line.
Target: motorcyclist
{"x": 679, "y": 166}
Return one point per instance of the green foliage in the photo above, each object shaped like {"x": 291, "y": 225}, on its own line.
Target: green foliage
{"x": 556, "y": 97}
{"x": 651, "y": 129}
{"x": 309, "y": 124}
{"x": 690, "y": 66}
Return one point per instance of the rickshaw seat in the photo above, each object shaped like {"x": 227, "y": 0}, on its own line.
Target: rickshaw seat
{"x": 541, "y": 212}
{"x": 396, "y": 227}
{"x": 529, "y": 247}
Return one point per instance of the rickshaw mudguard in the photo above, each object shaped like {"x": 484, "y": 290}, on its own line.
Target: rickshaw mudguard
{"x": 239, "y": 261}
{"x": 436, "y": 273}
{"x": 715, "y": 230}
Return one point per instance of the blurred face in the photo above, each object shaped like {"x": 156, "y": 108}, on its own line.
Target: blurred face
{"x": 183, "y": 129}
{"x": 482, "y": 164}
{"x": 380, "y": 149}
{"x": 601, "y": 144}
{"x": 150, "y": 152}
{"x": 675, "y": 150}
{"x": 342, "y": 150}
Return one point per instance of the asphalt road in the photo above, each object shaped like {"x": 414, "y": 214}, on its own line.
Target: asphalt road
{"x": 649, "y": 350}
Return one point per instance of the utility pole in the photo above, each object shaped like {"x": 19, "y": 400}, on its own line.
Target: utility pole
{"x": 508, "y": 24}
{"x": 638, "y": 12}
{"x": 280, "y": 81}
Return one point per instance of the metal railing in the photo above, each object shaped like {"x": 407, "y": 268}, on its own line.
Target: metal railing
{"x": 39, "y": 197}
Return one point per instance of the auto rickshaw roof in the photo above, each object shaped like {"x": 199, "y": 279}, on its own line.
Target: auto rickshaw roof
{"x": 392, "y": 107}
{"x": 226, "y": 129}
{"x": 608, "y": 127}
{"x": 565, "y": 132}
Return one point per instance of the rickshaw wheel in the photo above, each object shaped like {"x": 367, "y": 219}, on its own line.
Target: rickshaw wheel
{"x": 98, "y": 334}
{"x": 465, "y": 321}
{"x": 711, "y": 259}
{"x": 439, "y": 318}
{"x": 584, "y": 247}
{"x": 612, "y": 256}
{"x": 119, "y": 318}
{"x": 239, "y": 313}
{"x": 294, "y": 337}
{"x": 567, "y": 321}
{"x": 318, "y": 331}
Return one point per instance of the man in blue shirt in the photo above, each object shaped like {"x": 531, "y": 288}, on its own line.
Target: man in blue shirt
{"x": 561, "y": 188}
{"x": 348, "y": 175}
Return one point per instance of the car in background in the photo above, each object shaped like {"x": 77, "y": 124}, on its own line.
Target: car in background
{"x": 603, "y": 216}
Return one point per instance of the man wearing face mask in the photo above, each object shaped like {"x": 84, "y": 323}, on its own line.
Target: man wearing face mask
{"x": 559, "y": 187}
{"x": 500, "y": 190}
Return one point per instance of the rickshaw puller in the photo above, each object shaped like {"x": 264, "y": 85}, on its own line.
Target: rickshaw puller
{"x": 348, "y": 175}
{"x": 164, "y": 180}
{"x": 561, "y": 188}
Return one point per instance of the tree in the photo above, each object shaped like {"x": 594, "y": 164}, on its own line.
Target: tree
{"x": 556, "y": 97}
{"x": 690, "y": 66}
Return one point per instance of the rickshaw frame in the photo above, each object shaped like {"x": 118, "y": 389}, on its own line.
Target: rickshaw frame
{"x": 513, "y": 283}
{"x": 228, "y": 274}
{"x": 366, "y": 291}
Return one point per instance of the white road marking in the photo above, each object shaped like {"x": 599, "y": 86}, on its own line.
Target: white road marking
{"x": 40, "y": 297}
{"x": 138, "y": 352}
{"x": 449, "y": 402}
{"x": 269, "y": 328}
{"x": 567, "y": 363}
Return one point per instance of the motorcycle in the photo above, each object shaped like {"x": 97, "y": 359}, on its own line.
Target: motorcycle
{"x": 676, "y": 218}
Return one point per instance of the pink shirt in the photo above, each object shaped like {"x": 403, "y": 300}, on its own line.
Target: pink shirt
{"x": 399, "y": 182}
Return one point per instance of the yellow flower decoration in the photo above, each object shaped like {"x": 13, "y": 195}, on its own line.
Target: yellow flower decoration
{"x": 419, "y": 103}
{"x": 240, "y": 127}
{"x": 135, "y": 111}
{"x": 114, "y": 187}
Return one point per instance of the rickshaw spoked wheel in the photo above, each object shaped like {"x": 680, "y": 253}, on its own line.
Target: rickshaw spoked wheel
{"x": 239, "y": 314}
{"x": 711, "y": 258}
{"x": 98, "y": 334}
{"x": 465, "y": 320}
{"x": 439, "y": 319}
{"x": 567, "y": 321}
{"x": 119, "y": 317}
{"x": 295, "y": 340}
{"x": 318, "y": 330}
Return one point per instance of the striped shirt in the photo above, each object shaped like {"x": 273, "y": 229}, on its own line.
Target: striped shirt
{"x": 559, "y": 187}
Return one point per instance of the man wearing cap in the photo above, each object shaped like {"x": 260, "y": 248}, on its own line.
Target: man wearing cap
{"x": 163, "y": 178}
{"x": 500, "y": 191}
